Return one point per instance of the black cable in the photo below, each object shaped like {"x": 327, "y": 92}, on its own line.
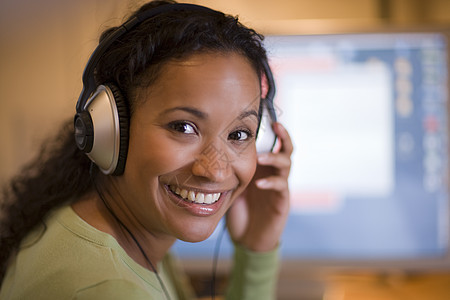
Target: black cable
{"x": 100, "y": 194}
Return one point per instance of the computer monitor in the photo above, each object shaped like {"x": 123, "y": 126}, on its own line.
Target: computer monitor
{"x": 368, "y": 115}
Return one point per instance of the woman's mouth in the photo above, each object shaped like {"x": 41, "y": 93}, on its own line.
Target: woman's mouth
{"x": 195, "y": 196}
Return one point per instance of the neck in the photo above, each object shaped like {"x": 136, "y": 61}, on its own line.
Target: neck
{"x": 143, "y": 246}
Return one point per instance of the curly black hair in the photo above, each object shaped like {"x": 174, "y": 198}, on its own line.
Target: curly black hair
{"x": 61, "y": 173}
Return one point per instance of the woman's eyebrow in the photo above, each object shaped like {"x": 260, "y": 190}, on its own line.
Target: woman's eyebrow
{"x": 199, "y": 114}
{"x": 248, "y": 113}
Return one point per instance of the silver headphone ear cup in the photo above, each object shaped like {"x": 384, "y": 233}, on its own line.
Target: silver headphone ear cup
{"x": 266, "y": 137}
{"x": 109, "y": 113}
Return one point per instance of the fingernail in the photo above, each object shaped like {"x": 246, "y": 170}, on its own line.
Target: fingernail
{"x": 262, "y": 183}
{"x": 262, "y": 158}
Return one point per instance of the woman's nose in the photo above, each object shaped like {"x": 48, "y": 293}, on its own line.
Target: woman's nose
{"x": 213, "y": 163}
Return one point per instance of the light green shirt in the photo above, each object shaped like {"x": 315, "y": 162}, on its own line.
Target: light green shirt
{"x": 68, "y": 259}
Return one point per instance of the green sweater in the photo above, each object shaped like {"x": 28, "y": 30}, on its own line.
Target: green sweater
{"x": 68, "y": 259}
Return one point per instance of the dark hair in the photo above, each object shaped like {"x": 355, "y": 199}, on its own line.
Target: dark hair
{"x": 60, "y": 174}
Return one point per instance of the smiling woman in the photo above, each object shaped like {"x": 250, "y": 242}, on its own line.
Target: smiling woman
{"x": 164, "y": 148}
{"x": 182, "y": 114}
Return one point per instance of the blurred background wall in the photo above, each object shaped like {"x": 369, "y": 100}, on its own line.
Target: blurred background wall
{"x": 45, "y": 44}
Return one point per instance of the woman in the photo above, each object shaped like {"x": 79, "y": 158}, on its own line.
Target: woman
{"x": 190, "y": 82}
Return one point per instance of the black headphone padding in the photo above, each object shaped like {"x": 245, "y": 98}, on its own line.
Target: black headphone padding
{"x": 124, "y": 120}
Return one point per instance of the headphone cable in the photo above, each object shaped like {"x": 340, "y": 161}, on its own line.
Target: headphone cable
{"x": 166, "y": 293}
{"x": 100, "y": 194}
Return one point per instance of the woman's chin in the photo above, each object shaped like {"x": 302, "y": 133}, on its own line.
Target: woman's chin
{"x": 196, "y": 236}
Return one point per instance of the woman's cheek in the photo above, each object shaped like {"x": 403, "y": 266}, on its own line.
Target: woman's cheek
{"x": 246, "y": 167}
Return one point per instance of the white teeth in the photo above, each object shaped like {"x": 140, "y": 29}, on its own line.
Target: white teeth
{"x": 208, "y": 199}
{"x": 216, "y": 197}
{"x": 200, "y": 198}
{"x": 191, "y": 196}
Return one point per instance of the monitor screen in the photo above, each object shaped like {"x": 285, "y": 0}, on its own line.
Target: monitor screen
{"x": 368, "y": 117}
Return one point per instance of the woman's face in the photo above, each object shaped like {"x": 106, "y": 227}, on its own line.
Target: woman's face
{"x": 192, "y": 145}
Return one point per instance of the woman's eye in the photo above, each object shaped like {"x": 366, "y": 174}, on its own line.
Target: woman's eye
{"x": 183, "y": 127}
{"x": 240, "y": 135}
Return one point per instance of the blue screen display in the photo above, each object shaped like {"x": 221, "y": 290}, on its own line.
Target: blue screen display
{"x": 368, "y": 117}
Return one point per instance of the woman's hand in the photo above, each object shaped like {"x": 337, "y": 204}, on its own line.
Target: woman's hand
{"x": 257, "y": 218}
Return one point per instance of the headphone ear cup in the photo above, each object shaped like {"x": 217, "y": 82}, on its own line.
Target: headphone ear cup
{"x": 266, "y": 137}
{"x": 108, "y": 114}
{"x": 123, "y": 113}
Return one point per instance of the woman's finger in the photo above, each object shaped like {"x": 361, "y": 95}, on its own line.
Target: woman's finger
{"x": 276, "y": 160}
{"x": 285, "y": 139}
{"x": 275, "y": 183}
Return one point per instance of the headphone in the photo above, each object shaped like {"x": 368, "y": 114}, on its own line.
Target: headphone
{"x": 102, "y": 113}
